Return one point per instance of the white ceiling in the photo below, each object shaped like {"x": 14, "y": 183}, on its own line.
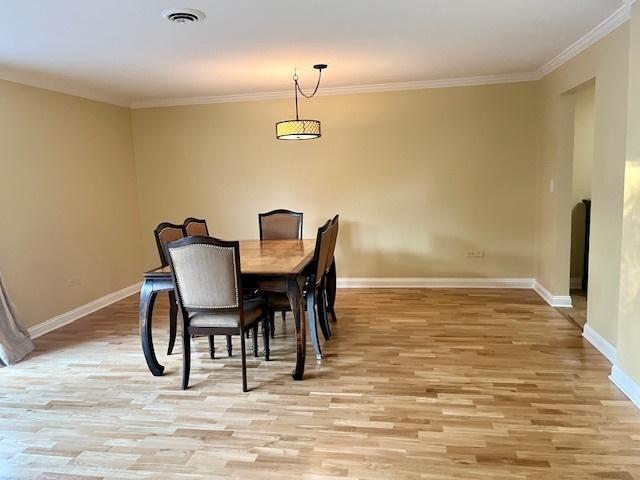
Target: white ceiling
{"x": 124, "y": 51}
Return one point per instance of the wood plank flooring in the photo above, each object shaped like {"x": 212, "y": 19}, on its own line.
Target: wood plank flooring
{"x": 416, "y": 384}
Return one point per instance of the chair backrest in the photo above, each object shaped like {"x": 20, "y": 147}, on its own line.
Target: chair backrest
{"x": 322, "y": 250}
{"x": 332, "y": 245}
{"x": 195, "y": 226}
{"x": 206, "y": 274}
{"x": 280, "y": 225}
{"x": 165, "y": 233}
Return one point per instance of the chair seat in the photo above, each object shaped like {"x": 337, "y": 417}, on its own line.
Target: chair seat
{"x": 278, "y": 301}
{"x": 254, "y": 309}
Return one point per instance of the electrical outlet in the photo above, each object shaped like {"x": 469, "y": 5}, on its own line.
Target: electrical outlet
{"x": 73, "y": 282}
{"x": 475, "y": 254}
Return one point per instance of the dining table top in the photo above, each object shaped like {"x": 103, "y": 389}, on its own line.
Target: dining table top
{"x": 268, "y": 257}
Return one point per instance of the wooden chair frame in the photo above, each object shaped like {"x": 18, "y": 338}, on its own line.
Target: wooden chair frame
{"x": 190, "y": 220}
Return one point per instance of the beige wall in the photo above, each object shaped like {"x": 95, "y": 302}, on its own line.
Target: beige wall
{"x": 419, "y": 178}
{"x": 68, "y": 204}
{"x": 628, "y": 354}
{"x": 584, "y": 124}
{"x": 607, "y": 62}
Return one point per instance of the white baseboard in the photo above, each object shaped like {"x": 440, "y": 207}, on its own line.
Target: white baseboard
{"x": 600, "y": 343}
{"x": 553, "y": 300}
{"x": 575, "y": 283}
{"x": 432, "y": 282}
{"x": 73, "y": 315}
{"x": 625, "y": 383}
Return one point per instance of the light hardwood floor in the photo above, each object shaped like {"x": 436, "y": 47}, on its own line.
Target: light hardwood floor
{"x": 416, "y": 384}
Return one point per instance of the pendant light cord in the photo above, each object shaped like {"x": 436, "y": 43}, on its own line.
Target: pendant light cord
{"x": 298, "y": 89}
{"x": 315, "y": 90}
{"x": 295, "y": 89}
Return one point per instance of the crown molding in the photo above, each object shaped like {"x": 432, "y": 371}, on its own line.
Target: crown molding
{"x": 613, "y": 21}
{"x": 60, "y": 87}
{"x": 231, "y": 98}
{"x": 372, "y": 88}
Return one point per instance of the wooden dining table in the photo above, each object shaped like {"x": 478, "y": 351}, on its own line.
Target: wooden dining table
{"x": 266, "y": 265}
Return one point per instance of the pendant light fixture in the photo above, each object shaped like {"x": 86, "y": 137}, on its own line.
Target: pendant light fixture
{"x": 300, "y": 129}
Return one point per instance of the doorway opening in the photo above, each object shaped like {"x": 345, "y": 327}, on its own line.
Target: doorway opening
{"x": 583, "y": 145}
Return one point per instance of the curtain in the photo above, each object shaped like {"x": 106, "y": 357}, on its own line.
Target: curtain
{"x": 15, "y": 343}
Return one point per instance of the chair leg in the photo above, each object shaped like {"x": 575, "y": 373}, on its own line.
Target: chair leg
{"x": 255, "y": 340}
{"x": 284, "y": 316}
{"x": 212, "y": 348}
{"x": 272, "y": 323}
{"x": 173, "y": 322}
{"x": 186, "y": 359}
{"x": 244, "y": 363}
{"x": 334, "y": 319}
{"x": 229, "y": 345}
{"x": 322, "y": 313}
{"x": 311, "y": 319}
{"x": 265, "y": 337}
{"x": 331, "y": 291}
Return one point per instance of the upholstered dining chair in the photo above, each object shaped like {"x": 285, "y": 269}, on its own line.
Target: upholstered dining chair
{"x": 315, "y": 290}
{"x": 164, "y": 233}
{"x": 206, "y": 277}
{"x": 198, "y": 227}
{"x": 328, "y": 284}
{"x": 195, "y": 226}
{"x": 279, "y": 224}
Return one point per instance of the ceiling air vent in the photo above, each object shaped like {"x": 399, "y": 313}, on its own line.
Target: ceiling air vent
{"x": 182, "y": 15}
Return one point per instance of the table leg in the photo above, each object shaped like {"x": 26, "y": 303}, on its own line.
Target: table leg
{"x": 147, "y": 300}
{"x": 331, "y": 291}
{"x": 294, "y": 292}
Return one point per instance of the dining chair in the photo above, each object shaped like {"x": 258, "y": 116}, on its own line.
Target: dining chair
{"x": 315, "y": 289}
{"x": 206, "y": 277}
{"x": 164, "y": 233}
{"x": 329, "y": 286}
{"x": 279, "y": 224}
{"x": 198, "y": 227}
{"x": 195, "y": 226}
